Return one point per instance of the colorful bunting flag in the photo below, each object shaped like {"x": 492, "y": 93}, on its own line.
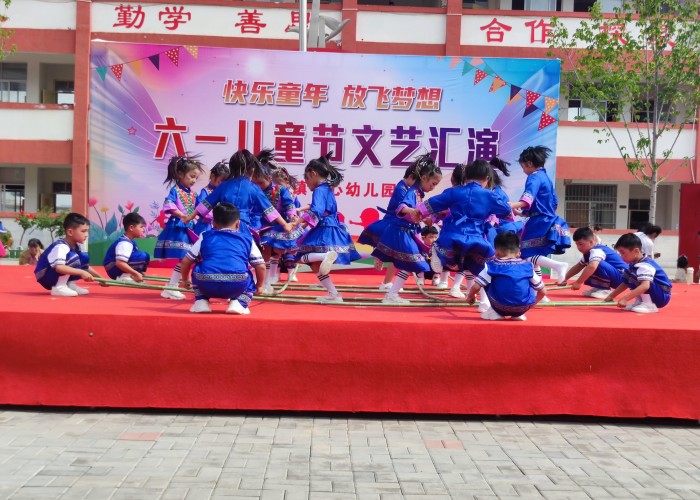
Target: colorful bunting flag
{"x": 480, "y": 75}
{"x": 173, "y": 55}
{"x": 545, "y": 121}
{"x": 102, "y": 72}
{"x": 514, "y": 90}
{"x": 497, "y": 84}
{"x": 549, "y": 104}
{"x": 193, "y": 50}
{"x": 476, "y": 61}
{"x": 155, "y": 60}
{"x": 467, "y": 68}
{"x": 529, "y": 109}
{"x": 531, "y": 97}
{"x": 136, "y": 66}
{"x": 117, "y": 69}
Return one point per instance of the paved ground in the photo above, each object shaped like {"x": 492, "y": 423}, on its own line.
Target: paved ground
{"x": 130, "y": 455}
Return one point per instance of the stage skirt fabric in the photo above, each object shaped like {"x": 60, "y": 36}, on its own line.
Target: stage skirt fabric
{"x": 398, "y": 246}
{"x": 544, "y": 235}
{"x": 324, "y": 238}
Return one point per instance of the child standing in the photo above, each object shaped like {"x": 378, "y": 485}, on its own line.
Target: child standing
{"x": 64, "y": 261}
{"x": 217, "y": 175}
{"x": 544, "y": 232}
{"x": 123, "y": 260}
{"x": 219, "y": 262}
{"x": 328, "y": 240}
{"x": 510, "y": 282}
{"x": 30, "y": 256}
{"x": 602, "y": 267}
{"x": 397, "y": 244}
{"x": 177, "y": 236}
{"x": 651, "y": 288}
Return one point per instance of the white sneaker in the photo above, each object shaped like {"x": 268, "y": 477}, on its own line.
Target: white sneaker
{"x": 561, "y": 273}
{"x": 330, "y": 299}
{"x": 294, "y": 278}
{"x": 126, "y": 278}
{"x": 268, "y": 290}
{"x": 235, "y": 307}
{"x": 172, "y": 294}
{"x": 327, "y": 262}
{"x": 200, "y": 306}
{"x": 519, "y": 318}
{"x": 436, "y": 280}
{"x": 545, "y": 300}
{"x": 77, "y": 289}
{"x": 385, "y": 287}
{"x": 274, "y": 279}
{"x": 636, "y": 302}
{"x": 596, "y": 293}
{"x": 456, "y": 293}
{"x": 394, "y": 299}
{"x": 645, "y": 307}
{"x": 63, "y": 291}
{"x": 442, "y": 285}
{"x": 378, "y": 264}
{"x": 435, "y": 263}
{"x": 484, "y": 306}
{"x": 492, "y": 315}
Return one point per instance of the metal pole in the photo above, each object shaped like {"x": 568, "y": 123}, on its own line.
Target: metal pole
{"x": 303, "y": 32}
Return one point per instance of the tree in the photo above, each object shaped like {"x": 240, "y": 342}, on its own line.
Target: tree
{"x": 5, "y": 34}
{"x": 639, "y": 66}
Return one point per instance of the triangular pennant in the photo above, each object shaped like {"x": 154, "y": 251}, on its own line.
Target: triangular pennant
{"x": 102, "y": 72}
{"x": 117, "y": 69}
{"x": 480, "y": 75}
{"x": 136, "y": 66}
{"x": 173, "y": 55}
{"x": 531, "y": 97}
{"x": 545, "y": 121}
{"x": 193, "y": 50}
{"x": 476, "y": 61}
{"x": 454, "y": 62}
{"x": 467, "y": 68}
{"x": 155, "y": 60}
{"x": 516, "y": 98}
{"x": 497, "y": 84}
{"x": 514, "y": 90}
{"x": 529, "y": 109}
{"x": 549, "y": 104}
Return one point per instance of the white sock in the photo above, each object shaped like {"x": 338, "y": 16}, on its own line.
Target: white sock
{"x": 63, "y": 280}
{"x": 470, "y": 279}
{"x": 541, "y": 260}
{"x": 483, "y": 298}
{"x": 399, "y": 281}
{"x": 444, "y": 276}
{"x": 327, "y": 283}
{"x": 313, "y": 257}
{"x": 175, "y": 277}
{"x": 272, "y": 271}
{"x": 459, "y": 277}
{"x": 646, "y": 298}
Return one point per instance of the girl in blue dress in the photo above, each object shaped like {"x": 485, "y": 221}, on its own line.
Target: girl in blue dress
{"x": 176, "y": 238}
{"x": 544, "y": 232}
{"x": 217, "y": 175}
{"x": 397, "y": 244}
{"x": 462, "y": 244}
{"x": 501, "y": 224}
{"x": 276, "y": 242}
{"x": 328, "y": 240}
{"x": 282, "y": 177}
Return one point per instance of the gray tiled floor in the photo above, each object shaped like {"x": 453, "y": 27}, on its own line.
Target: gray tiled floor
{"x": 124, "y": 455}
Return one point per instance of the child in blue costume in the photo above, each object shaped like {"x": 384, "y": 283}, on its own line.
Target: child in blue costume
{"x": 544, "y": 232}
{"x": 241, "y": 192}
{"x": 650, "y": 286}
{"x": 501, "y": 224}
{"x": 178, "y": 235}
{"x": 602, "y": 267}
{"x": 276, "y": 242}
{"x": 373, "y": 233}
{"x": 282, "y": 177}
{"x": 217, "y": 175}
{"x": 123, "y": 260}
{"x": 328, "y": 239}
{"x": 398, "y": 244}
{"x": 510, "y": 282}
{"x": 219, "y": 262}
{"x": 64, "y": 261}
{"x": 462, "y": 243}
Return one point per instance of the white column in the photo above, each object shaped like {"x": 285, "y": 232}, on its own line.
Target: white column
{"x": 623, "y": 200}
{"x": 33, "y": 81}
{"x": 31, "y": 188}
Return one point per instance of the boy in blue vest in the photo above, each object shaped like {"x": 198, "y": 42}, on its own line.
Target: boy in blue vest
{"x": 601, "y": 265}
{"x": 511, "y": 283}
{"x": 123, "y": 260}
{"x": 650, "y": 286}
{"x": 64, "y": 262}
{"x": 219, "y": 262}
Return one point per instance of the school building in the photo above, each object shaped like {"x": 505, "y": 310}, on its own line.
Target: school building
{"x": 44, "y": 99}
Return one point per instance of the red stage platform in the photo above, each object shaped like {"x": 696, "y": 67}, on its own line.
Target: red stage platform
{"x": 128, "y": 348}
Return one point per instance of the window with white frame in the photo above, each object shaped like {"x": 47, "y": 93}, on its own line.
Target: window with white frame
{"x": 13, "y": 82}
{"x": 11, "y": 197}
{"x": 588, "y": 204}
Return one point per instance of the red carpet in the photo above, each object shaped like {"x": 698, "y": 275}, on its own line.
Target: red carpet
{"x": 121, "y": 347}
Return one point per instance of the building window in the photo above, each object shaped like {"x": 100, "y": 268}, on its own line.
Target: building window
{"x": 13, "y": 82}
{"x": 62, "y": 196}
{"x": 543, "y": 5}
{"x": 583, "y": 5}
{"x": 65, "y": 92}
{"x": 11, "y": 198}
{"x": 638, "y": 212}
{"x": 581, "y": 110}
{"x": 588, "y": 204}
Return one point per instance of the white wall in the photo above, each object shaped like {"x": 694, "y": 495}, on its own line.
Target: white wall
{"x": 37, "y": 124}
